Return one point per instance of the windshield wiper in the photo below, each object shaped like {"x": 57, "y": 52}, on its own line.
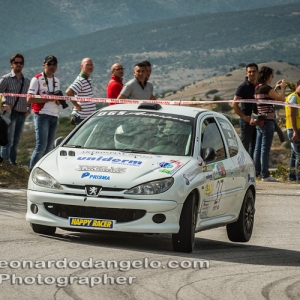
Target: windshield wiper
{"x": 135, "y": 151}
{"x": 72, "y": 146}
{"x": 106, "y": 149}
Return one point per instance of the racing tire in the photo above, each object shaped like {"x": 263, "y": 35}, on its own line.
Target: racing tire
{"x": 42, "y": 229}
{"x": 241, "y": 230}
{"x": 184, "y": 240}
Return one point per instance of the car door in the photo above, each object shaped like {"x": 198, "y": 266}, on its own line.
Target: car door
{"x": 243, "y": 168}
{"x": 218, "y": 188}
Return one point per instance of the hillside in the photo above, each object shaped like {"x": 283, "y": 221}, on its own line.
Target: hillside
{"x": 224, "y": 85}
{"x": 183, "y": 50}
{"x": 32, "y": 23}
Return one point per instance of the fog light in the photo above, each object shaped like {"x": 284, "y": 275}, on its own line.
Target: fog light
{"x": 159, "y": 218}
{"x": 34, "y": 208}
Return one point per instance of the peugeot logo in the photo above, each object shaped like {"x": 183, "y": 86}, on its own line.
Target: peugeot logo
{"x": 92, "y": 191}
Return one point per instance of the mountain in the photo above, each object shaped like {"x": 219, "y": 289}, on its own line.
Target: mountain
{"x": 32, "y": 23}
{"x": 182, "y": 50}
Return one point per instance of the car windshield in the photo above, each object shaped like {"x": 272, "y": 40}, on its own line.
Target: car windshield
{"x": 135, "y": 132}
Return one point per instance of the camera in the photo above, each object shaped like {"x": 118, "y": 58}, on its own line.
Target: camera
{"x": 63, "y": 103}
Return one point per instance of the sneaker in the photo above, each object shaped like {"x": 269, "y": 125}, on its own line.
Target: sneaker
{"x": 270, "y": 179}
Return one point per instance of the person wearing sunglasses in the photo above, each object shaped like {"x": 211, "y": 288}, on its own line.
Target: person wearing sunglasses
{"x": 15, "y": 107}
{"x": 115, "y": 84}
{"x": 45, "y": 110}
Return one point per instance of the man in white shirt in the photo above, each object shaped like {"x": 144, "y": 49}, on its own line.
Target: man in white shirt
{"x": 45, "y": 110}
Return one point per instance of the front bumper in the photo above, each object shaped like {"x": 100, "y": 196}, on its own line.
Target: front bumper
{"x": 145, "y": 224}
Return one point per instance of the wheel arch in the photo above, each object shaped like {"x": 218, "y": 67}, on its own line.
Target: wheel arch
{"x": 253, "y": 189}
{"x": 196, "y": 194}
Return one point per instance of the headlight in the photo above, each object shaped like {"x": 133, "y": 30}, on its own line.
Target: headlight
{"x": 151, "y": 188}
{"x": 43, "y": 179}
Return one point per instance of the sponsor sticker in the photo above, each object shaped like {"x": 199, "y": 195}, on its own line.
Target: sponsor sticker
{"x": 200, "y": 160}
{"x": 208, "y": 189}
{"x": 107, "y": 169}
{"x": 241, "y": 159}
{"x": 207, "y": 168}
{"x": 110, "y": 160}
{"x": 95, "y": 176}
{"x": 218, "y": 170}
{"x": 114, "y": 153}
{"x": 190, "y": 176}
{"x": 251, "y": 178}
{"x": 232, "y": 142}
{"x": 91, "y": 223}
{"x": 225, "y": 126}
{"x": 169, "y": 167}
{"x": 145, "y": 114}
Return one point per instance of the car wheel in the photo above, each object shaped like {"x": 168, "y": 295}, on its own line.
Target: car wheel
{"x": 184, "y": 240}
{"x": 241, "y": 230}
{"x": 42, "y": 229}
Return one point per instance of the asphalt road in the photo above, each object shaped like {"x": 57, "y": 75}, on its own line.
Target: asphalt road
{"x": 76, "y": 265}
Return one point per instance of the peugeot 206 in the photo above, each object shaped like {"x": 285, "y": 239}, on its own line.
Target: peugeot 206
{"x": 146, "y": 168}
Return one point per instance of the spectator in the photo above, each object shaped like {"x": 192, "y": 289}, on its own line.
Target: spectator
{"x": 45, "y": 110}
{"x": 82, "y": 87}
{"x": 246, "y": 91}
{"x": 148, "y": 68}
{"x": 15, "y": 83}
{"x": 148, "y": 71}
{"x": 138, "y": 87}
{"x": 293, "y": 132}
{"x": 115, "y": 84}
{"x": 264, "y": 134}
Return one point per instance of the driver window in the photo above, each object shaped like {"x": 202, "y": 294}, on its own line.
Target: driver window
{"x": 211, "y": 138}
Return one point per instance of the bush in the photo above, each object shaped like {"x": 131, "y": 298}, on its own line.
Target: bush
{"x": 235, "y": 121}
{"x": 214, "y": 91}
{"x": 221, "y": 107}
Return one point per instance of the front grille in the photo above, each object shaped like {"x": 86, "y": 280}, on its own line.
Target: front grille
{"x": 121, "y": 215}
{"x": 104, "y": 189}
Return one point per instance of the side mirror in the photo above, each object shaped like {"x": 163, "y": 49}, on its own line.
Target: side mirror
{"x": 208, "y": 154}
{"x": 58, "y": 141}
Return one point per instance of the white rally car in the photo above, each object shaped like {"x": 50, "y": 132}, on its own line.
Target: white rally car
{"x": 146, "y": 168}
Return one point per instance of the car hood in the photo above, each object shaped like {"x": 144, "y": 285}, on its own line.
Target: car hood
{"x": 109, "y": 168}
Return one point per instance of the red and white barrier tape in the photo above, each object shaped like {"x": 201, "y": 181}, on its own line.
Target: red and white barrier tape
{"x": 132, "y": 101}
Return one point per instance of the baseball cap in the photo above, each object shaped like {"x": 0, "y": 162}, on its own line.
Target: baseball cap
{"x": 50, "y": 58}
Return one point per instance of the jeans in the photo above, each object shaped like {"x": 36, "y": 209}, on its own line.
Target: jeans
{"x": 9, "y": 151}
{"x": 264, "y": 138}
{"x": 45, "y": 132}
{"x": 248, "y": 136}
{"x": 294, "y": 171}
